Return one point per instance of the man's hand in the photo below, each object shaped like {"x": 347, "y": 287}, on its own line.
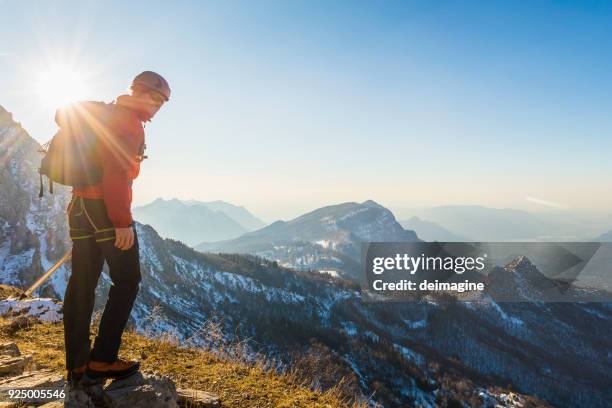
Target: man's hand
{"x": 124, "y": 238}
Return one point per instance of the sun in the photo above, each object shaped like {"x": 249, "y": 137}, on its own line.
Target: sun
{"x": 61, "y": 84}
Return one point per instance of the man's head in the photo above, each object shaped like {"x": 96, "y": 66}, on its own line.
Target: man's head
{"x": 149, "y": 91}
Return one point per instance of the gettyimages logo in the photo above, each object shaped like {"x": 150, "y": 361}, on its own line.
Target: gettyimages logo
{"x": 507, "y": 272}
{"x": 413, "y": 264}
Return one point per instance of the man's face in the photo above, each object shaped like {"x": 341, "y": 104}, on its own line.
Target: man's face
{"x": 150, "y": 101}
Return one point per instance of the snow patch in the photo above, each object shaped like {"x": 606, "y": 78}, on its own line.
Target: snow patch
{"x": 44, "y": 309}
{"x": 356, "y": 370}
{"x": 410, "y": 355}
{"x": 12, "y": 264}
{"x": 416, "y": 324}
{"x": 349, "y": 328}
{"x": 513, "y": 320}
{"x": 331, "y": 272}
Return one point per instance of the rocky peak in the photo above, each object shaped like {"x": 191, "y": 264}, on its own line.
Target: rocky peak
{"x": 521, "y": 263}
{"x": 371, "y": 221}
{"x": 519, "y": 280}
{"x": 6, "y": 119}
{"x": 372, "y": 204}
{"x": 524, "y": 270}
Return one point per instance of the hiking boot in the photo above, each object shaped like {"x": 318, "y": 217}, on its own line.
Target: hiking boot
{"x": 74, "y": 377}
{"x": 117, "y": 369}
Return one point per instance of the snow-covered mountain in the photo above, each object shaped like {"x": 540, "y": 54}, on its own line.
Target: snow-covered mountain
{"x": 328, "y": 239}
{"x": 33, "y": 231}
{"x": 433, "y": 353}
{"x": 535, "y": 347}
{"x": 194, "y": 222}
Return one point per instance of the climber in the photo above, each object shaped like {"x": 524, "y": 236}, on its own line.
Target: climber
{"x": 102, "y": 229}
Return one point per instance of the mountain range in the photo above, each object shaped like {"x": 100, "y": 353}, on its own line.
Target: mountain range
{"x": 430, "y": 231}
{"x": 434, "y": 353}
{"x": 326, "y": 239}
{"x": 207, "y": 221}
{"x": 482, "y": 224}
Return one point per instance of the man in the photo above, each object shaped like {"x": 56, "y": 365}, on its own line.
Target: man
{"x": 102, "y": 229}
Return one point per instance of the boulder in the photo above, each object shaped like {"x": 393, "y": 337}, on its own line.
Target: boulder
{"x": 33, "y": 379}
{"x": 148, "y": 390}
{"x": 78, "y": 398}
{"x": 43, "y": 379}
{"x": 11, "y": 360}
{"x": 9, "y": 349}
{"x": 197, "y": 399}
{"x": 53, "y": 404}
{"x": 12, "y": 365}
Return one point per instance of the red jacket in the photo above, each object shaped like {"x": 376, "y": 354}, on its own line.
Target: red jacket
{"x": 120, "y": 159}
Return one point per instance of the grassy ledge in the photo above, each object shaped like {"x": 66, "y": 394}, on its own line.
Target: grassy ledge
{"x": 236, "y": 383}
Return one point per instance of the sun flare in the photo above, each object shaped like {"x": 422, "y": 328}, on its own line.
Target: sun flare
{"x": 61, "y": 84}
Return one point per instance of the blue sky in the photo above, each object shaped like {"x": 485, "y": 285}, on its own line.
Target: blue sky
{"x": 288, "y": 106}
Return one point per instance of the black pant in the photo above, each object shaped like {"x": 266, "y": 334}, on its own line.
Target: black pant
{"x": 93, "y": 239}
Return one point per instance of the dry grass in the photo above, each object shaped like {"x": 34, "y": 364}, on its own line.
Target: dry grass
{"x": 8, "y": 291}
{"x": 238, "y": 384}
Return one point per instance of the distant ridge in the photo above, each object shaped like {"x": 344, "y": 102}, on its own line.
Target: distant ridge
{"x": 430, "y": 231}
{"x": 328, "y": 238}
{"x": 490, "y": 224}
{"x": 193, "y": 222}
{"x": 236, "y": 212}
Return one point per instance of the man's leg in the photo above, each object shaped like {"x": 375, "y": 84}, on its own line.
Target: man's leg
{"x": 79, "y": 298}
{"x": 124, "y": 270}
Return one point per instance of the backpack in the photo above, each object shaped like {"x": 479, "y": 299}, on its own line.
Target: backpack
{"x": 70, "y": 157}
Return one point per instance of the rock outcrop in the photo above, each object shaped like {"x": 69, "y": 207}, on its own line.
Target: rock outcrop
{"x": 18, "y": 371}
{"x": 141, "y": 390}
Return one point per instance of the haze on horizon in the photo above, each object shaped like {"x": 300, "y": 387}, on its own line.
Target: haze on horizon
{"x": 284, "y": 107}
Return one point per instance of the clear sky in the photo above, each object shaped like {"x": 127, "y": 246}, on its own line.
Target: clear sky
{"x": 288, "y": 106}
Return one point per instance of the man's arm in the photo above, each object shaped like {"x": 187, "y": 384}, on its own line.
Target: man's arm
{"x": 115, "y": 184}
{"x": 116, "y": 187}
{"x": 119, "y": 163}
